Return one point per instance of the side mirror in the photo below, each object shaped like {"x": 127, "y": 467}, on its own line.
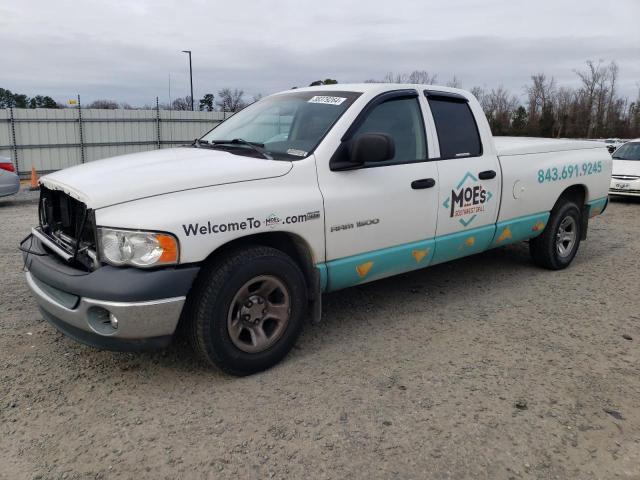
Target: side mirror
{"x": 363, "y": 148}
{"x": 371, "y": 147}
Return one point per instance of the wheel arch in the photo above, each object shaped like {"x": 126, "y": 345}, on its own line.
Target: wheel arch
{"x": 289, "y": 243}
{"x": 579, "y": 194}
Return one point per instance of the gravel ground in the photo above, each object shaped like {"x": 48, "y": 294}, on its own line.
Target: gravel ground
{"x": 486, "y": 367}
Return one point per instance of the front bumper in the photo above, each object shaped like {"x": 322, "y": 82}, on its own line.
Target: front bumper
{"x": 9, "y": 184}
{"x": 147, "y": 304}
{"x": 625, "y": 186}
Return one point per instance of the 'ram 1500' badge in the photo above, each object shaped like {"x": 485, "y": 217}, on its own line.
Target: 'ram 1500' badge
{"x": 358, "y": 224}
{"x": 467, "y": 199}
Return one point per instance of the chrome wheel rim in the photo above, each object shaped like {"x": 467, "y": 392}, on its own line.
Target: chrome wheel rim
{"x": 259, "y": 314}
{"x": 566, "y": 236}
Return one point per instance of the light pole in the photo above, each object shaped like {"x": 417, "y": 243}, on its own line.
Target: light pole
{"x": 190, "y": 75}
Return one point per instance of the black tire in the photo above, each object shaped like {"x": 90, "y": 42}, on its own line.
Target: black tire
{"x": 210, "y": 302}
{"x": 545, "y": 250}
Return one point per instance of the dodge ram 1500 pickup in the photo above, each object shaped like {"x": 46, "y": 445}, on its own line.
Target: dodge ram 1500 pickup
{"x": 235, "y": 237}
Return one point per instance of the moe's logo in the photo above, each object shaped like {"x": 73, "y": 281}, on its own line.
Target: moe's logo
{"x": 467, "y": 200}
{"x": 272, "y": 220}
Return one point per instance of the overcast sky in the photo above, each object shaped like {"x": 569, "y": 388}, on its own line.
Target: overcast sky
{"x": 126, "y": 50}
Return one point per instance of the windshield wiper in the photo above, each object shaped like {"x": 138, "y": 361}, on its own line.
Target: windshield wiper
{"x": 198, "y": 141}
{"x": 255, "y": 146}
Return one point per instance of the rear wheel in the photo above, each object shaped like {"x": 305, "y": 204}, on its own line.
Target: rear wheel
{"x": 556, "y": 248}
{"x": 247, "y": 310}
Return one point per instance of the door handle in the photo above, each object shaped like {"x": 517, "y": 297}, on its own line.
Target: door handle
{"x": 423, "y": 183}
{"x": 487, "y": 175}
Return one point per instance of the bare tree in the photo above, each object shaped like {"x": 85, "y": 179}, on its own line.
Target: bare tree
{"x": 610, "y": 106}
{"x": 634, "y": 114}
{"x": 391, "y": 77}
{"x": 181, "y": 103}
{"x": 479, "y": 93}
{"x": 540, "y": 95}
{"x": 422, "y": 77}
{"x": 593, "y": 80}
{"x": 613, "y": 77}
{"x": 564, "y": 110}
{"x": 231, "y": 100}
{"x": 499, "y": 106}
{"x": 454, "y": 83}
{"x": 417, "y": 76}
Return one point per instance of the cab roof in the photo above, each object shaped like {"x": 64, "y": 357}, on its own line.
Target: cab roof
{"x": 376, "y": 88}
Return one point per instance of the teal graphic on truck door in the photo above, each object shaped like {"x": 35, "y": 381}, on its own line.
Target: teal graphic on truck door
{"x": 467, "y": 200}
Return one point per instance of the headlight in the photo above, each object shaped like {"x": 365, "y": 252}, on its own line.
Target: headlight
{"x": 139, "y": 249}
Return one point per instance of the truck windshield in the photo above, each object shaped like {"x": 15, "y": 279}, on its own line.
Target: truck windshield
{"x": 628, "y": 151}
{"x": 287, "y": 126}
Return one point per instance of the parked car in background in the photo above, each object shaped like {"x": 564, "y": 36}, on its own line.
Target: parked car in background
{"x": 613, "y": 143}
{"x": 625, "y": 177}
{"x": 9, "y": 180}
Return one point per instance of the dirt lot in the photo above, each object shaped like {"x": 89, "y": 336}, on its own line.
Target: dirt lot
{"x": 483, "y": 368}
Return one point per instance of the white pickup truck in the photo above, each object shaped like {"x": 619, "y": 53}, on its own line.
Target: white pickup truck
{"x": 236, "y": 237}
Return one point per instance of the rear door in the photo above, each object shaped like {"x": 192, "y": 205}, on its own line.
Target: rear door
{"x": 470, "y": 180}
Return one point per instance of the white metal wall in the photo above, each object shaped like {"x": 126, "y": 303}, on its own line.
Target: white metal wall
{"x": 51, "y": 139}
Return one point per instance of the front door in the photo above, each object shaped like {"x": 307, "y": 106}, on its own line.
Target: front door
{"x": 470, "y": 180}
{"x": 379, "y": 221}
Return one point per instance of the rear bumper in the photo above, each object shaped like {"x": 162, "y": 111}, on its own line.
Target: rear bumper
{"x": 146, "y": 305}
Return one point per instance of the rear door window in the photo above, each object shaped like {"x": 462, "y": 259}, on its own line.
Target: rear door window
{"x": 456, "y": 127}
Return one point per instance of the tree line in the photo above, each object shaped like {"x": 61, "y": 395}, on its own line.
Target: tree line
{"x": 8, "y": 99}
{"x": 593, "y": 109}
{"x": 227, "y": 100}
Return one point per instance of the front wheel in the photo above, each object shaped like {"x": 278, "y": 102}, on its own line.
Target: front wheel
{"x": 556, "y": 248}
{"x": 247, "y": 310}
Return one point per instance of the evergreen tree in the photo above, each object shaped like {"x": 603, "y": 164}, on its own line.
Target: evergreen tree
{"x": 519, "y": 121}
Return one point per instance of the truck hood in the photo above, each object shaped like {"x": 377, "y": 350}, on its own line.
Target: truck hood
{"x": 626, "y": 167}
{"x": 130, "y": 177}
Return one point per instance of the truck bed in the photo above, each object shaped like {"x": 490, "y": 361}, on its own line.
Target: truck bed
{"x": 535, "y": 171}
{"x": 506, "y": 146}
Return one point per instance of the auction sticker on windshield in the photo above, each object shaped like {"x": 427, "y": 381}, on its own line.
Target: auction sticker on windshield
{"x": 327, "y": 100}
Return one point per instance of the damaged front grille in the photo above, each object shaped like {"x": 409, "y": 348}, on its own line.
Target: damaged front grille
{"x": 70, "y": 224}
